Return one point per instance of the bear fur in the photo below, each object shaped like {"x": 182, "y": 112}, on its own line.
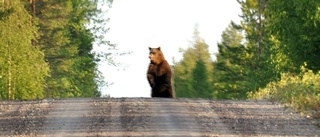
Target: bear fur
{"x": 159, "y": 75}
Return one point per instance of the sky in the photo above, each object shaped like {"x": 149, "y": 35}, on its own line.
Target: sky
{"x": 136, "y": 25}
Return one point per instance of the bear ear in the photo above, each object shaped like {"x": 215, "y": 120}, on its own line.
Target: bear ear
{"x": 159, "y": 48}
{"x": 150, "y": 48}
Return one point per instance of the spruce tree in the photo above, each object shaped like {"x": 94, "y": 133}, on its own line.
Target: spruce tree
{"x": 193, "y": 74}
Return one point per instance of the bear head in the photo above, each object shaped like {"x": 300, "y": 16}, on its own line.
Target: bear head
{"x": 156, "y": 55}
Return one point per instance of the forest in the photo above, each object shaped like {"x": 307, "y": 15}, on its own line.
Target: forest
{"x": 273, "y": 54}
{"x": 46, "y": 48}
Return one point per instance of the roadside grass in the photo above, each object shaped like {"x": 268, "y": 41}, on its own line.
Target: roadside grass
{"x": 302, "y": 92}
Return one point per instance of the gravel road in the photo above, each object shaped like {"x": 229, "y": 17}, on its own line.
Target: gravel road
{"x": 158, "y": 117}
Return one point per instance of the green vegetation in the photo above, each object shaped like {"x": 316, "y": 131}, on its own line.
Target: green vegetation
{"x": 22, "y": 66}
{"x": 261, "y": 57}
{"x": 45, "y": 52}
{"x": 45, "y": 48}
{"x": 193, "y": 74}
{"x": 230, "y": 70}
{"x": 300, "y": 91}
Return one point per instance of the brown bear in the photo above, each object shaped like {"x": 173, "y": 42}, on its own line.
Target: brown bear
{"x": 159, "y": 75}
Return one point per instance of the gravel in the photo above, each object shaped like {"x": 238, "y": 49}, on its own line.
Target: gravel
{"x": 152, "y": 117}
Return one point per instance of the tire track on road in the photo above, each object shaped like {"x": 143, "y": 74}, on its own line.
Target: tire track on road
{"x": 67, "y": 118}
{"x": 152, "y": 117}
{"x": 172, "y": 118}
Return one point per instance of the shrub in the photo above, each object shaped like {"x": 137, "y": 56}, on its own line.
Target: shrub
{"x": 302, "y": 92}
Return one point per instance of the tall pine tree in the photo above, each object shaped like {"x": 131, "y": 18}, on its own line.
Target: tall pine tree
{"x": 259, "y": 65}
{"x": 229, "y": 68}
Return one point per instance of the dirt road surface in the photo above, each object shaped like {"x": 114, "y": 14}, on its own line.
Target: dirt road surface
{"x": 158, "y": 117}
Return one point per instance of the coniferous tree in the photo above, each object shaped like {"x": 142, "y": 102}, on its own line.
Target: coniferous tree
{"x": 230, "y": 73}
{"x": 54, "y": 17}
{"x": 200, "y": 80}
{"x": 67, "y": 41}
{"x": 193, "y": 73}
{"x": 259, "y": 66}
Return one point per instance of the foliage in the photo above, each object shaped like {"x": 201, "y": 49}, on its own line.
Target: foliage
{"x": 22, "y": 66}
{"x": 294, "y": 26}
{"x": 45, "y": 48}
{"x": 200, "y": 81}
{"x": 67, "y": 43}
{"x": 45, "y": 51}
{"x": 193, "y": 74}
{"x": 56, "y": 41}
{"x": 279, "y": 37}
{"x": 229, "y": 72}
{"x": 258, "y": 66}
{"x": 300, "y": 91}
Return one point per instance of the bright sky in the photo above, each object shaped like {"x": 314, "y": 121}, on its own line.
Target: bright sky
{"x": 137, "y": 24}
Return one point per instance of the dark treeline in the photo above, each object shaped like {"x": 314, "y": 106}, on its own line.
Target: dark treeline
{"x": 45, "y": 48}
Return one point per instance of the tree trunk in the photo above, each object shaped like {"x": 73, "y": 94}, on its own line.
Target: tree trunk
{"x": 9, "y": 72}
{"x": 34, "y": 7}
{"x": 33, "y": 10}
{"x": 259, "y": 28}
